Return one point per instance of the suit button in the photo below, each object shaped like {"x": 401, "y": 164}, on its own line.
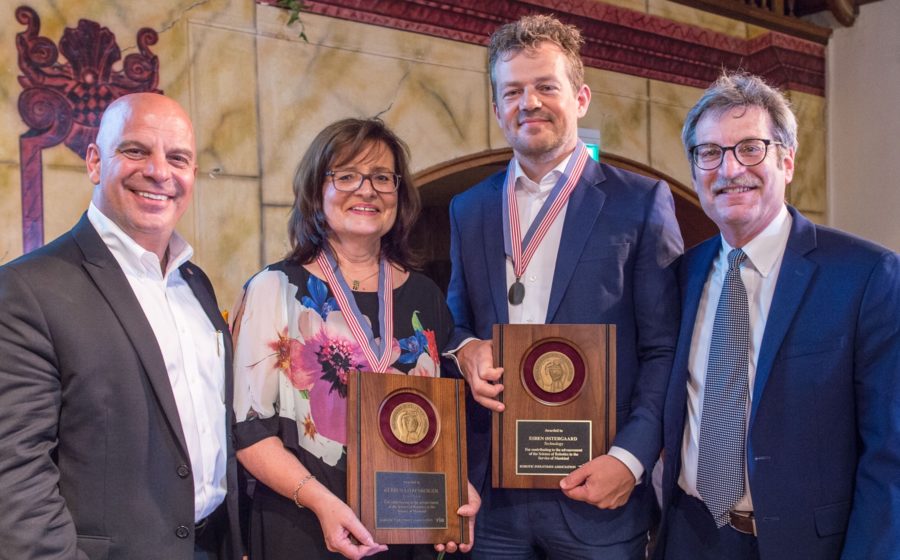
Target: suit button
{"x": 182, "y": 532}
{"x": 183, "y": 471}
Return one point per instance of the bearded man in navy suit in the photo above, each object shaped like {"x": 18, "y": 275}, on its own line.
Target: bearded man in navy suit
{"x": 815, "y": 435}
{"x": 605, "y": 239}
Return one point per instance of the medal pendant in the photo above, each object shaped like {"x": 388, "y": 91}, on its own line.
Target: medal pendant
{"x": 516, "y": 292}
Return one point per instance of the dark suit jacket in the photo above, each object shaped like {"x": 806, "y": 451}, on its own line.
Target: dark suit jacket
{"x": 823, "y": 451}
{"x": 93, "y": 461}
{"x": 618, "y": 238}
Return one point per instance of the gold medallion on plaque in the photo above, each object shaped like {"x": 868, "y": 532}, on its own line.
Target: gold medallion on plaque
{"x": 554, "y": 372}
{"x": 409, "y": 423}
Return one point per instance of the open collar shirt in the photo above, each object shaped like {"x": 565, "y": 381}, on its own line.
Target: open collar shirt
{"x": 192, "y": 348}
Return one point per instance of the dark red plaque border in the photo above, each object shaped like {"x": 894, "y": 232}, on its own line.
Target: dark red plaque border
{"x": 384, "y": 423}
{"x": 532, "y": 357}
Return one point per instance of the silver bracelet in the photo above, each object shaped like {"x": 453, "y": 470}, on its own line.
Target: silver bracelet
{"x": 299, "y": 487}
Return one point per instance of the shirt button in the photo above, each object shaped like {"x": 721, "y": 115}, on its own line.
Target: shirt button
{"x": 182, "y": 532}
{"x": 532, "y": 278}
{"x": 183, "y": 471}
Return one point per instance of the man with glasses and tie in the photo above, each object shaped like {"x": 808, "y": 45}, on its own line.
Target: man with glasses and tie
{"x": 782, "y": 416}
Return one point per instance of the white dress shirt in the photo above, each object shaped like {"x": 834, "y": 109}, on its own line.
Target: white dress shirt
{"x": 538, "y": 277}
{"x": 760, "y": 276}
{"x": 193, "y": 351}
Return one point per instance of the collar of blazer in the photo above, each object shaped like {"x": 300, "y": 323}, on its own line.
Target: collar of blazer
{"x": 793, "y": 280}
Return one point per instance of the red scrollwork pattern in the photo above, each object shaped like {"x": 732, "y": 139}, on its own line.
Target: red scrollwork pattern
{"x": 616, "y": 38}
{"x": 63, "y": 102}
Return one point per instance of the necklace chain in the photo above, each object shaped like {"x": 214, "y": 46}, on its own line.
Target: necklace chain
{"x": 354, "y": 284}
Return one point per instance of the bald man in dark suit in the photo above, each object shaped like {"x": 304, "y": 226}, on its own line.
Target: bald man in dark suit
{"x": 115, "y": 367}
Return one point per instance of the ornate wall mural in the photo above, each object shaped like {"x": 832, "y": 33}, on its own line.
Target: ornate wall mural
{"x": 61, "y": 102}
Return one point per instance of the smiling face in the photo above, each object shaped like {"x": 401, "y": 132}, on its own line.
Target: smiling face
{"x": 741, "y": 200}
{"x": 143, "y": 167}
{"x": 364, "y": 215}
{"x": 536, "y": 105}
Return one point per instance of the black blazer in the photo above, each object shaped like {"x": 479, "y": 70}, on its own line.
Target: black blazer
{"x": 93, "y": 461}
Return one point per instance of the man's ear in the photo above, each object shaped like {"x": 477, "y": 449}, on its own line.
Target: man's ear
{"x": 788, "y": 162}
{"x": 583, "y": 98}
{"x": 92, "y": 161}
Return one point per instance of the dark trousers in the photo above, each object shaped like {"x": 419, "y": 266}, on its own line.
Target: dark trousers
{"x": 691, "y": 534}
{"x": 210, "y": 535}
{"x": 529, "y": 525}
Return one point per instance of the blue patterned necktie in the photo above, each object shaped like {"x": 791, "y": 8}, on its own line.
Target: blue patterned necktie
{"x": 720, "y": 466}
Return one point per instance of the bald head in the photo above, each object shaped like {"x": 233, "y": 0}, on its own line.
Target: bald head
{"x": 143, "y": 165}
{"x": 119, "y": 111}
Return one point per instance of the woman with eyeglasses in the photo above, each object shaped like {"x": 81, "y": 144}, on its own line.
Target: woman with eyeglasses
{"x": 345, "y": 299}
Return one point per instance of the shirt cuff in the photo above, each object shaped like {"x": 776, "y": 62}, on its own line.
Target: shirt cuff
{"x": 451, "y": 354}
{"x": 635, "y": 466}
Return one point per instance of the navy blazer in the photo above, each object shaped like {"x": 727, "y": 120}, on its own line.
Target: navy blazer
{"x": 618, "y": 240}
{"x": 823, "y": 447}
{"x": 93, "y": 460}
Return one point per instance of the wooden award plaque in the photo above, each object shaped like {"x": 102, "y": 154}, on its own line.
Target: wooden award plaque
{"x": 559, "y": 388}
{"x": 406, "y": 457}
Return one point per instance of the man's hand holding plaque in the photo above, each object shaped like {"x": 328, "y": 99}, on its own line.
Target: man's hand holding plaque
{"x": 476, "y": 360}
{"x": 554, "y": 414}
{"x": 604, "y": 482}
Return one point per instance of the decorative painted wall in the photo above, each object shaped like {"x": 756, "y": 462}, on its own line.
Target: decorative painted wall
{"x": 62, "y": 103}
{"x": 258, "y": 94}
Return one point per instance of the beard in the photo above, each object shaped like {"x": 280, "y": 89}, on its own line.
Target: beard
{"x": 545, "y": 142}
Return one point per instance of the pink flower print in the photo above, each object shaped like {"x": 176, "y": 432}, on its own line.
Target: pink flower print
{"x": 330, "y": 354}
{"x": 287, "y": 353}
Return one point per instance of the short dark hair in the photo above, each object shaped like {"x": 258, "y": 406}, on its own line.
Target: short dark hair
{"x": 740, "y": 89}
{"x": 336, "y": 145}
{"x": 527, "y": 33}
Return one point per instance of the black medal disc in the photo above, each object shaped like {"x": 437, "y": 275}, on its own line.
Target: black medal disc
{"x": 516, "y": 292}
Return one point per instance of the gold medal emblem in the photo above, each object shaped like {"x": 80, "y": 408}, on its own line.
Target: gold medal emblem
{"x": 409, "y": 423}
{"x": 554, "y": 372}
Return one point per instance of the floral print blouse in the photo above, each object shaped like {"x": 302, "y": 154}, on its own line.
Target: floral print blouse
{"x": 293, "y": 351}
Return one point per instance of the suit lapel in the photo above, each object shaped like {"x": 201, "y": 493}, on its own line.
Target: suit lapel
{"x": 793, "y": 280}
{"x": 203, "y": 291}
{"x": 111, "y": 282}
{"x": 204, "y": 294}
{"x": 494, "y": 253}
{"x": 582, "y": 212}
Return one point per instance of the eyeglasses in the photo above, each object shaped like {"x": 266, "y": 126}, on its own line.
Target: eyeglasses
{"x": 748, "y": 153}
{"x": 349, "y": 181}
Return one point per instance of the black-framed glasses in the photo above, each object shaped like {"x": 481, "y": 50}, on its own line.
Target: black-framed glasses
{"x": 748, "y": 153}
{"x": 349, "y": 181}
